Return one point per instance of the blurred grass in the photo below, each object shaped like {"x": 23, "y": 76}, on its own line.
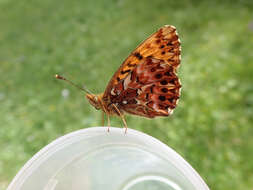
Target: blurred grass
{"x": 88, "y": 40}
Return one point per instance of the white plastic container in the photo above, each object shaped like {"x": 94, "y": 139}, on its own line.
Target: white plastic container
{"x": 93, "y": 159}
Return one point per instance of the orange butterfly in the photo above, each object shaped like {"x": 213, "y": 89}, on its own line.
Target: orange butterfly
{"x": 146, "y": 84}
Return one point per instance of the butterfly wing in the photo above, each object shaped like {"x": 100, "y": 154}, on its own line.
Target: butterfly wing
{"x": 146, "y": 83}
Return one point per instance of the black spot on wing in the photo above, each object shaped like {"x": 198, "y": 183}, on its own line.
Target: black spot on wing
{"x": 126, "y": 71}
{"x": 164, "y": 82}
{"x": 138, "y": 55}
{"x": 164, "y": 90}
{"x": 129, "y": 64}
{"x": 162, "y": 98}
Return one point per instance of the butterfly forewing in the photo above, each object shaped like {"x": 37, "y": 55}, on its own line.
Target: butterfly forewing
{"x": 146, "y": 83}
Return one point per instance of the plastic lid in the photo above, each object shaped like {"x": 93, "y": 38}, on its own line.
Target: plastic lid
{"x": 93, "y": 159}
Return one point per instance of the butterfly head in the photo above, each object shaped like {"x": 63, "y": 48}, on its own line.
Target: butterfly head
{"x": 95, "y": 100}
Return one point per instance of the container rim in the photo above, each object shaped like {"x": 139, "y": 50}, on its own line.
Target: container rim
{"x": 173, "y": 156}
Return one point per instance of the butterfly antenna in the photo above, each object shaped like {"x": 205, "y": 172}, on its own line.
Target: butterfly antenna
{"x": 73, "y": 84}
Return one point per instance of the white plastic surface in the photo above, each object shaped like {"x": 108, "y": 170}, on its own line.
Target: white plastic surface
{"x": 93, "y": 159}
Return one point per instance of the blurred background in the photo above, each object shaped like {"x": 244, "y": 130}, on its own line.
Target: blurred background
{"x": 86, "y": 41}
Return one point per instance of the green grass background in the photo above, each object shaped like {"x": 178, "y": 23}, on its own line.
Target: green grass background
{"x": 87, "y": 40}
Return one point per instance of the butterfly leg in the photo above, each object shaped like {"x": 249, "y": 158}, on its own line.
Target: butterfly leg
{"x": 103, "y": 119}
{"x": 122, "y": 117}
{"x": 108, "y": 122}
{"x": 108, "y": 118}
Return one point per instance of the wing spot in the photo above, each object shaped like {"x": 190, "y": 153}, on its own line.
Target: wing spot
{"x": 130, "y": 65}
{"x": 158, "y": 76}
{"x": 153, "y": 69}
{"x": 138, "y": 55}
{"x": 147, "y": 96}
{"x": 118, "y": 79}
{"x": 173, "y": 82}
{"x": 167, "y": 73}
{"x": 163, "y": 53}
{"x": 162, "y": 98}
{"x": 164, "y": 82}
{"x": 165, "y": 90}
{"x": 126, "y": 71}
{"x": 170, "y": 100}
{"x": 151, "y": 89}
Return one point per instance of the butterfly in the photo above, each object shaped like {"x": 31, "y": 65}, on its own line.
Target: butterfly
{"x": 146, "y": 84}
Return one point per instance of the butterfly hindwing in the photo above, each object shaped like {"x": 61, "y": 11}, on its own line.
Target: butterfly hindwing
{"x": 146, "y": 84}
